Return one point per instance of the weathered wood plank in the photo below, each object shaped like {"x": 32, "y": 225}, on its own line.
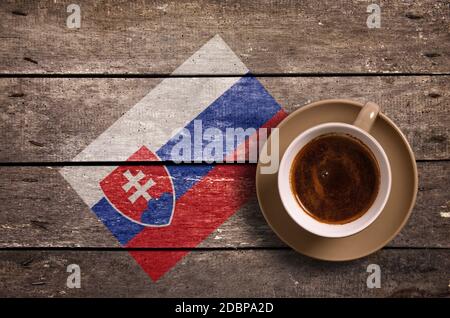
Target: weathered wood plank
{"x": 250, "y": 273}
{"x": 269, "y": 37}
{"x": 39, "y": 209}
{"x": 54, "y": 119}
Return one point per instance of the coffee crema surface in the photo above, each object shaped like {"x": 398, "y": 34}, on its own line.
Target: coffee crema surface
{"x": 335, "y": 178}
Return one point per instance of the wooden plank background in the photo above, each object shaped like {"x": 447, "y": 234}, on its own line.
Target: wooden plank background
{"x": 53, "y": 119}
{"x": 225, "y": 273}
{"x": 60, "y": 88}
{"x": 268, "y": 36}
{"x": 40, "y": 209}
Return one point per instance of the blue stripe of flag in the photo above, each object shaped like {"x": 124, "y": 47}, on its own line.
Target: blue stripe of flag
{"x": 247, "y": 104}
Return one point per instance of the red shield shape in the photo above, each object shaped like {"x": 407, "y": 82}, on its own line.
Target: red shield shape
{"x": 143, "y": 194}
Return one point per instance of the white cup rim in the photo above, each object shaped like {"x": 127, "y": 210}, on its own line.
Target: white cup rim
{"x": 296, "y": 211}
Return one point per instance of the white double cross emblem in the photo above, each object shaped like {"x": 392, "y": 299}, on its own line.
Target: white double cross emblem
{"x": 133, "y": 182}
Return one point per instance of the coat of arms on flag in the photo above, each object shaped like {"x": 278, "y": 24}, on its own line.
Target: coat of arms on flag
{"x": 163, "y": 206}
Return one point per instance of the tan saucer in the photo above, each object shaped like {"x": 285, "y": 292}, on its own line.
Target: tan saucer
{"x": 395, "y": 214}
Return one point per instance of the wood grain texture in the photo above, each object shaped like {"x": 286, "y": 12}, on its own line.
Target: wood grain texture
{"x": 44, "y": 224}
{"x": 268, "y": 36}
{"x": 39, "y": 209}
{"x": 53, "y": 119}
{"x": 249, "y": 273}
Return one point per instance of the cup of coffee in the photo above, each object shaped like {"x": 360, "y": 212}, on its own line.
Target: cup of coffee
{"x": 334, "y": 179}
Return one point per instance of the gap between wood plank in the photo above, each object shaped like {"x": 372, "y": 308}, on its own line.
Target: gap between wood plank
{"x": 199, "y": 249}
{"x": 139, "y": 163}
{"x": 169, "y": 75}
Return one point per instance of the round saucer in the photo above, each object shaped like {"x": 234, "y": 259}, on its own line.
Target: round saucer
{"x": 392, "y": 218}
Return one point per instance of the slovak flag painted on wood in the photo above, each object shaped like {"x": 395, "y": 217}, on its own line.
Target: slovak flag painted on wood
{"x": 169, "y": 206}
